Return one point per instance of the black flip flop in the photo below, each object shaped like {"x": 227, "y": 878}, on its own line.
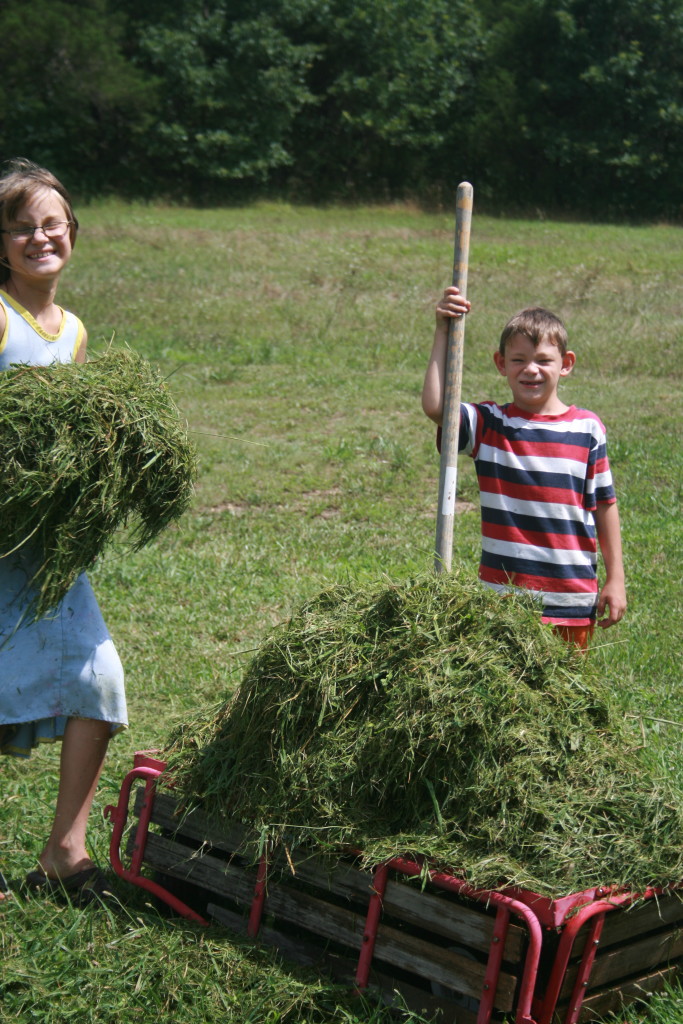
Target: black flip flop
{"x": 86, "y": 886}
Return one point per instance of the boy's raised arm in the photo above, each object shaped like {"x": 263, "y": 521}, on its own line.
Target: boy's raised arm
{"x": 451, "y": 305}
{"x": 613, "y": 594}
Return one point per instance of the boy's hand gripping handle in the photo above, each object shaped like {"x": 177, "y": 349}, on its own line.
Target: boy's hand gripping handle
{"x": 453, "y": 384}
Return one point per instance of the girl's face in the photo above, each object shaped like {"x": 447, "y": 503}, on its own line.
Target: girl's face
{"x": 34, "y": 256}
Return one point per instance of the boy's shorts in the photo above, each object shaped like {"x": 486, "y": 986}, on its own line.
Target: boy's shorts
{"x": 579, "y": 635}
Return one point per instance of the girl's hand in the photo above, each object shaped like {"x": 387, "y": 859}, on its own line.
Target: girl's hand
{"x": 451, "y": 305}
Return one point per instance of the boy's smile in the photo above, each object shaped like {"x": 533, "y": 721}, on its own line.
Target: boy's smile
{"x": 533, "y": 373}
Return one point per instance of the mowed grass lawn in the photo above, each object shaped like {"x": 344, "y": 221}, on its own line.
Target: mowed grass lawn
{"x": 297, "y": 341}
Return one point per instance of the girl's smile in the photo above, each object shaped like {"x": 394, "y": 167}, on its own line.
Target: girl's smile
{"x": 37, "y": 254}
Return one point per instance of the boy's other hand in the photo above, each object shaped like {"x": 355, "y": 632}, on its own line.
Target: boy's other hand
{"x": 613, "y": 599}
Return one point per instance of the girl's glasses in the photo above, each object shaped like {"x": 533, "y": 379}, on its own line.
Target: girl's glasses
{"x": 57, "y": 230}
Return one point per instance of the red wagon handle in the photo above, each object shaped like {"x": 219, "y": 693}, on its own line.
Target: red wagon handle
{"x": 149, "y": 769}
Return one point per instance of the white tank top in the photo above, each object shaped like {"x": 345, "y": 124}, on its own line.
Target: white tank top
{"x": 25, "y": 341}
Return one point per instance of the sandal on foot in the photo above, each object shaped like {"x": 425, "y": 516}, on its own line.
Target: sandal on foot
{"x": 83, "y": 887}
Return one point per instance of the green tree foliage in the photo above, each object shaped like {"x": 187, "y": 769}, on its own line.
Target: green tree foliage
{"x": 331, "y": 95}
{"x": 585, "y": 101}
{"x": 392, "y": 80}
{"x": 234, "y": 78}
{"x": 68, "y": 97}
{"x": 554, "y": 103}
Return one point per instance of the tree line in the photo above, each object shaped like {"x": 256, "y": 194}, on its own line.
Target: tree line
{"x": 552, "y": 104}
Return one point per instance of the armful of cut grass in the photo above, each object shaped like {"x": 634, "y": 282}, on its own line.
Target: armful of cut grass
{"x": 84, "y": 450}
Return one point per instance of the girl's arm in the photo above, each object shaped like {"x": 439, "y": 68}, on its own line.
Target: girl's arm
{"x": 451, "y": 305}
{"x": 613, "y": 594}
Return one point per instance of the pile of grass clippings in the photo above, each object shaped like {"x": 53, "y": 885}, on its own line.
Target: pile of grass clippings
{"x": 85, "y": 449}
{"x": 436, "y": 718}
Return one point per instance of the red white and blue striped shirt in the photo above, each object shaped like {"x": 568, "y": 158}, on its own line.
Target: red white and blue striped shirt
{"x": 540, "y": 480}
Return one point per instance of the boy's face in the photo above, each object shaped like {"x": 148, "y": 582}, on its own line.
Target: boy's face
{"x": 533, "y": 373}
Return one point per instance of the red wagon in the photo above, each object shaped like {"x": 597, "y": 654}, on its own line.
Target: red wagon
{"x": 475, "y": 955}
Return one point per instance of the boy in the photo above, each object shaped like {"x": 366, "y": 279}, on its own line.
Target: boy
{"x": 547, "y": 498}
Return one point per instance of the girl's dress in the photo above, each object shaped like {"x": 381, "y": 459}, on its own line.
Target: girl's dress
{"x": 65, "y": 665}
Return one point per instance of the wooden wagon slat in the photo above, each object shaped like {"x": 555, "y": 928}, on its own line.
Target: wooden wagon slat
{"x": 398, "y": 948}
{"x": 219, "y": 878}
{"x": 345, "y": 882}
{"x": 444, "y": 966}
{"x": 468, "y": 926}
{"x": 196, "y": 825}
{"x": 459, "y": 923}
{"x": 623, "y": 925}
{"x": 614, "y": 999}
{"x": 342, "y": 879}
{"x": 328, "y": 921}
{"x": 649, "y": 954}
{"x": 340, "y": 968}
{"x": 309, "y": 954}
{"x": 199, "y": 868}
{"x": 293, "y": 947}
{"x": 325, "y": 920}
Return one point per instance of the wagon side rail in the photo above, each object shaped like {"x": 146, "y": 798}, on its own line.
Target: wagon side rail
{"x": 148, "y": 770}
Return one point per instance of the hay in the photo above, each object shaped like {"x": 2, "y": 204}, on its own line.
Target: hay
{"x": 85, "y": 449}
{"x": 434, "y": 717}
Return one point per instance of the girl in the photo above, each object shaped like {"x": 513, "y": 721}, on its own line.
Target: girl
{"x": 60, "y": 677}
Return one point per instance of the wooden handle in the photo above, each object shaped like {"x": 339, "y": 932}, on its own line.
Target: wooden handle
{"x": 453, "y": 384}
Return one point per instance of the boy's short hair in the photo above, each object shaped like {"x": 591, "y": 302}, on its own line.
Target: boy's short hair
{"x": 536, "y": 323}
{"x": 22, "y": 180}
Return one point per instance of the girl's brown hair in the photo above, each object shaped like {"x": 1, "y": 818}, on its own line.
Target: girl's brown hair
{"x": 22, "y": 180}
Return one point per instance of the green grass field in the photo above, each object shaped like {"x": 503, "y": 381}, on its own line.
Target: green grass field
{"x": 297, "y": 340}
